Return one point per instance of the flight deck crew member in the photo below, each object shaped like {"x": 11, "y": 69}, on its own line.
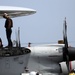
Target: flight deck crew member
{"x": 8, "y": 26}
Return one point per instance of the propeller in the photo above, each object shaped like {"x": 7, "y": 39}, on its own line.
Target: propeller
{"x": 65, "y": 49}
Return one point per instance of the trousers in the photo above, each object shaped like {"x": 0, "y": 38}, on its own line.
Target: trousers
{"x": 8, "y": 35}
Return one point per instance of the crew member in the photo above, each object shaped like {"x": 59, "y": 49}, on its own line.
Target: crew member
{"x": 8, "y": 26}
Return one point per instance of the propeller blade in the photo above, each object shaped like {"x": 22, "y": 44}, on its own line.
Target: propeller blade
{"x": 70, "y": 66}
{"x": 65, "y": 34}
{"x": 67, "y": 63}
{"x": 66, "y": 45}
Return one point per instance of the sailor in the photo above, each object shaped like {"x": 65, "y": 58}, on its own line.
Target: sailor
{"x": 8, "y": 26}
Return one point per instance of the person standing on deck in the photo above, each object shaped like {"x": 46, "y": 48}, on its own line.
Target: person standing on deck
{"x": 8, "y": 26}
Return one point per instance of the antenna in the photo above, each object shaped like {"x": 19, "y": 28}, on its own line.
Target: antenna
{"x": 18, "y": 38}
{"x": 19, "y": 45}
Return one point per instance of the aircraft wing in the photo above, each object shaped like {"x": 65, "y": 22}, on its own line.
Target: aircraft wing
{"x": 16, "y": 11}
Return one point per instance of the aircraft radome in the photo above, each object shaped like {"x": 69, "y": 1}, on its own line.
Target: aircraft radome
{"x": 16, "y": 11}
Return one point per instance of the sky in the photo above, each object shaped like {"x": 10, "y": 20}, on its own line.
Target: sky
{"x": 46, "y": 26}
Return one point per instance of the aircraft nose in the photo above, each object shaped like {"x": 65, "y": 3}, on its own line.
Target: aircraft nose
{"x": 71, "y": 51}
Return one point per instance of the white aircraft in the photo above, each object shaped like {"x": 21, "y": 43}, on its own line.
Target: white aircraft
{"x": 43, "y": 59}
